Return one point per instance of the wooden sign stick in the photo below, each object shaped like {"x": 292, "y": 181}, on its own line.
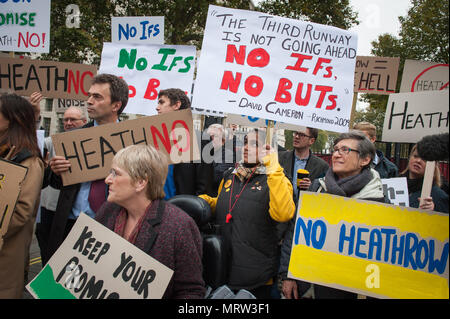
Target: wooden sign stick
{"x": 427, "y": 180}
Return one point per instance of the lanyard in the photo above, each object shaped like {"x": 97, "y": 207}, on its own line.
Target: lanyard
{"x": 231, "y": 207}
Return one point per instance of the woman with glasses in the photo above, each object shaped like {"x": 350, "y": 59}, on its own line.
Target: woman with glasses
{"x": 135, "y": 210}
{"x": 350, "y": 175}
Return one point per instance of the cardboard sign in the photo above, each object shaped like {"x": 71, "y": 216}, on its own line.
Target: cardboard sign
{"x": 276, "y": 68}
{"x": 91, "y": 150}
{"x": 411, "y": 116}
{"x": 376, "y": 75}
{"x": 61, "y": 105}
{"x": 143, "y": 30}
{"x": 424, "y": 76}
{"x": 396, "y": 190}
{"x": 25, "y": 26}
{"x": 250, "y": 121}
{"x": 369, "y": 248}
{"x": 149, "y": 69}
{"x": 52, "y": 79}
{"x": 11, "y": 176}
{"x": 94, "y": 262}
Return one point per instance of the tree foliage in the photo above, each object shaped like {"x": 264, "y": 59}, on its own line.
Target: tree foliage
{"x": 330, "y": 12}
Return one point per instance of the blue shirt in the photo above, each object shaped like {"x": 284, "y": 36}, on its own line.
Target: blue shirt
{"x": 169, "y": 186}
{"x": 81, "y": 202}
{"x": 298, "y": 164}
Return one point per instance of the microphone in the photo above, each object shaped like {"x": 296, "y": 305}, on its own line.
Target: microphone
{"x": 433, "y": 147}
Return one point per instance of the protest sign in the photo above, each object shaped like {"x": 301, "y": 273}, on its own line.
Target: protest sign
{"x": 396, "y": 190}
{"x": 91, "y": 150}
{"x": 143, "y": 30}
{"x": 25, "y": 26}
{"x": 411, "y": 116}
{"x": 61, "y": 105}
{"x": 376, "y": 75}
{"x": 148, "y": 69}
{"x": 11, "y": 176}
{"x": 370, "y": 248}
{"x": 250, "y": 121}
{"x": 52, "y": 79}
{"x": 94, "y": 262}
{"x": 424, "y": 76}
{"x": 276, "y": 68}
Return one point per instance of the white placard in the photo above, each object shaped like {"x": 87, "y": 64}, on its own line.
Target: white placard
{"x": 411, "y": 116}
{"x": 396, "y": 190}
{"x": 424, "y": 76}
{"x": 25, "y": 26}
{"x": 276, "y": 68}
{"x": 148, "y": 69}
{"x": 143, "y": 30}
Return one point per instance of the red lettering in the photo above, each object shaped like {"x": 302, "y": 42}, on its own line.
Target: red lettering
{"x": 282, "y": 95}
{"x": 298, "y": 95}
{"x": 253, "y": 85}
{"x": 298, "y": 64}
{"x": 133, "y": 91}
{"x": 323, "y": 91}
{"x": 25, "y": 41}
{"x": 165, "y": 140}
{"x": 329, "y": 74}
{"x": 319, "y": 64}
{"x": 332, "y": 99}
{"x": 229, "y": 82}
{"x": 76, "y": 83}
{"x": 83, "y": 75}
{"x": 258, "y": 58}
{"x": 150, "y": 92}
{"x": 186, "y": 131}
{"x": 233, "y": 55}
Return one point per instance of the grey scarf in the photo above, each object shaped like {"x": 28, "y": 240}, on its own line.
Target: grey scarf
{"x": 347, "y": 186}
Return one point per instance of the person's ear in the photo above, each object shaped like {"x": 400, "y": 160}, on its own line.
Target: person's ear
{"x": 141, "y": 184}
{"x": 364, "y": 161}
{"x": 116, "y": 106}
{"x": 177, "y": 106}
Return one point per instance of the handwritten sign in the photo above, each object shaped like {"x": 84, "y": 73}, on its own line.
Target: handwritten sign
{"x": 396, "y": 190}
{"x": 52, "y": 79}
{"x": 96, "y": 263}
{"x": 149, "y": 69}
{"x": 424, "y": 76}
{"x": 61, "y": 105}
{"x": 25, "y": 26}
{"x": 369, "y": 248}
{"x": 250, "y": 121}
{"x": 144, "y": 30}
{"x": 91, "y": 150}
{"x": 376, "y": 75}
{"x": 11, "y": 176}
{"x": 276, "y": 68}
{"x": 411, "y": 116}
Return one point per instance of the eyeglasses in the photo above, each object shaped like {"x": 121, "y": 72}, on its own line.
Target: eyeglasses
{"x": 300, "y": 134}
{"x": 70, "y": 119}
{"x": 113, "y": 173}
{"x": 344, "y": 150}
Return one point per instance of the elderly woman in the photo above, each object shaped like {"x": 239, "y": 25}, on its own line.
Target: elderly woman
{"x": 350, "y": 175}
{"x": 414, "y": 173}
{"x": 18, "y": 143}
{"x": 135, "y": 210}
{"x": 252, "y": 199}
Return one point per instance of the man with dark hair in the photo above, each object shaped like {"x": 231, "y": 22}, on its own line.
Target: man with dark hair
{"x": 107, "y": 97}
{"x": 182, "y": 178}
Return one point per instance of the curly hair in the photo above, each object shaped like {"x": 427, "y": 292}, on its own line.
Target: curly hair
{"x": 176, "y": 95}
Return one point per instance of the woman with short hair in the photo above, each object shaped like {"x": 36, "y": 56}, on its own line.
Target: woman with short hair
{"x": 135, "y": 210}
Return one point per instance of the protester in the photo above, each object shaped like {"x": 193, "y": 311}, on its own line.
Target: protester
{"x": 107, "y": 97}
{"x": 222, "y": 156}
{"x": 350, "y": 175}
{"x": 414, "y": 173}
{"x": 252, "y": 199}
{"x": 136, "y": 211}
{"x": 300, "y": 157}
{"x": 74, "y": 117}
{"x": 382, "y": 165}
{"x": 182, "y": 178}
{"x": 18, "y": 143}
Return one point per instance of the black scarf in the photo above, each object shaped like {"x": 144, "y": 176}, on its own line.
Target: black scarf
{"x": 415, "y": 184}
{"x": 347, "y": 186}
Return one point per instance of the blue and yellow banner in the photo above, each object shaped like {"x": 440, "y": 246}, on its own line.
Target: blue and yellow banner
{"x": 369, "y": 248}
